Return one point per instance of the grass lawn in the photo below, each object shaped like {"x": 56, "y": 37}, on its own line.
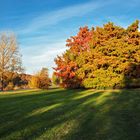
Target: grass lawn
{"x": 59, "y": 114}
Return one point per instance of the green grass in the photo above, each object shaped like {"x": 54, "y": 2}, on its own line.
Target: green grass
{"x": 59, "y": 114}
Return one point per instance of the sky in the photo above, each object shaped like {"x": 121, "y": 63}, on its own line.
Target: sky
{"x": 43, "y": 26}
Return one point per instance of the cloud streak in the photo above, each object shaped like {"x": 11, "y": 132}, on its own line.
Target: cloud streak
{"x": 42, "y": 53}
{"x": 54, "y": 17}
{"x": 43, "y": 57}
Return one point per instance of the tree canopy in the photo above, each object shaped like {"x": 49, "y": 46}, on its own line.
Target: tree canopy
{"x": 101, "y": 57}
{"x": 40, "y": 79}
{"x": 10, "y": 58}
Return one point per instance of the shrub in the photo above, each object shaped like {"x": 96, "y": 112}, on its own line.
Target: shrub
{"x": 10, "y": 86}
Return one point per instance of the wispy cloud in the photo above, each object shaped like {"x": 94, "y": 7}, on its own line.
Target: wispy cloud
{"x": 42, "y": 53}
{"x": 43, "y": 57}
{"x": 54, "y": 17}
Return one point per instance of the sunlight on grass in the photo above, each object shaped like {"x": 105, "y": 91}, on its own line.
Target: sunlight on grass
{"x": 105, "y": 96}
{"x": 19, "y": 91}
{"x": 84, "y": 94}
{"x": 99, "y": 97}
{"x": 43, "y": 109}
{"x": 102, "y": 98}
{"x": 59, "y": 131}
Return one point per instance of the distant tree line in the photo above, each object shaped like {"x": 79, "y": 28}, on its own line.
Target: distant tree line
{"x": 101, "y": 57}
{"x": 15, "y": 81}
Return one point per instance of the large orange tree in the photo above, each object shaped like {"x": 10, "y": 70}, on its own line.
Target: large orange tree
{"x": 101, "y": 57}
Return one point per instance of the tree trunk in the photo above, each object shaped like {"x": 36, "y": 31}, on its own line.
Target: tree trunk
{"x": 2, "y": 82}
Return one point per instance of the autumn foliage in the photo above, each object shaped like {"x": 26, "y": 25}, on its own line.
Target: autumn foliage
{"x": 40, "y": 80}
{"x": 101, "y": 57}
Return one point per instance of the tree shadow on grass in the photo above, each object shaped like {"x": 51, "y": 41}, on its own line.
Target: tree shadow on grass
{"x": 22, "y": 106}
{"x": 115, "y": 118}
{"x": 72, "y": 115}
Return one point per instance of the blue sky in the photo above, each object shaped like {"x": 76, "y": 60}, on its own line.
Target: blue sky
{"x": 42, "y": 26}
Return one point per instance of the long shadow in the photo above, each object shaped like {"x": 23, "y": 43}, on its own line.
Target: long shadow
{"x": 117, "y": 118}
{"x": 99, "y": 115}
{"x": 27, "y": 104}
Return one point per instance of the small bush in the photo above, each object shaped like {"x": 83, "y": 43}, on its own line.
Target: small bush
{"x": 10, "y": 86}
